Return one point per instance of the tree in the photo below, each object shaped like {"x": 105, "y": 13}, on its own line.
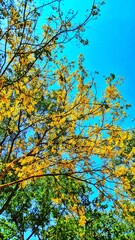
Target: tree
{"x": 125, "y": 169}
{"x": 35, "y": 211}
{"x": 54, "y": 124}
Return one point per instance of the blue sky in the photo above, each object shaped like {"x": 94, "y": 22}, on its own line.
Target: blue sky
{"x": 112, "y": 46}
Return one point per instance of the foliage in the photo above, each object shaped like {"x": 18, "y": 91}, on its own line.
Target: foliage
{"x": 34, "y": 210}
{"x": 125, "y": 169}
{"x": 56, "y": 128}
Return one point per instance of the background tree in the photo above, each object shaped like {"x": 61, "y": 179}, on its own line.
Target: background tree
{"x": 35, "y": 210}
{"x": 125, "y": 171}
{"x": 54, "y": 124}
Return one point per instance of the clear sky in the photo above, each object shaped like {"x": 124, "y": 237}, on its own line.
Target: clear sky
{"x": 112, "y": 46}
